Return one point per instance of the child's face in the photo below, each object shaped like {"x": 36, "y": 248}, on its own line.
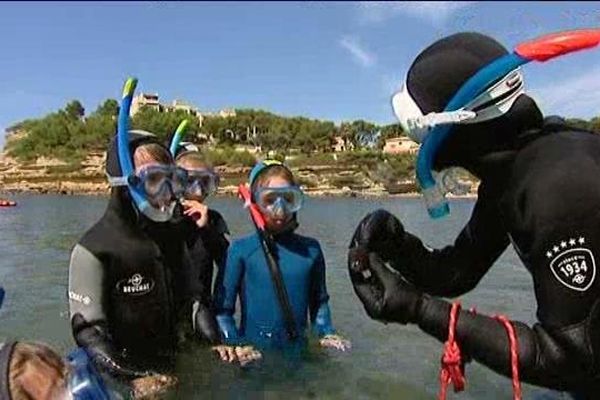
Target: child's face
{"x": 202, "y": 181}
{"x": 276, "y": 223}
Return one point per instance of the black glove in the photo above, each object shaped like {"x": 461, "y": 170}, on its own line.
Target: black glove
{"x": 382, "y": 233}
{"x": 386, "y": 296}
{"x": 96, "y": 341}
{"x": 204, "y": 324}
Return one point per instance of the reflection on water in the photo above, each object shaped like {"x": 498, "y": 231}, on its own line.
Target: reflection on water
{"x": 387, "y": 361}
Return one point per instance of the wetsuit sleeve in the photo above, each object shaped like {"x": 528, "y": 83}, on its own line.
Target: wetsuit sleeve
{"x": 544, "y": 357}
{"x": 455, "y": 269}
{"x": 320, "y": 314}
{"x": 226, "y": 294}
{"x": 89, "y": 320}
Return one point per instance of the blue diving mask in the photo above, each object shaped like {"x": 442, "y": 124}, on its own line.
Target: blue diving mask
{"x": 279, "y": 201}
{"x": 161, "y": 186}
{"x": 84, "y": 381}
{"x": 201, "y": 183}
{"x": 156, "y": 212}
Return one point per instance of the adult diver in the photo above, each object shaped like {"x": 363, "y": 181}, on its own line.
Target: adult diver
{"x": 463, "y": 99}
{"x": 129, "y": 275}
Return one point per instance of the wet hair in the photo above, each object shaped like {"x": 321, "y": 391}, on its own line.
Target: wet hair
{"x": 36, "y": 372}
{"x": 151, "y": 152}
{"x": 273, "y": 171}
{"x": 192, "y": 159}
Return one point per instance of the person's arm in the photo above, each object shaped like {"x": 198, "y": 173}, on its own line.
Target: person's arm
{"x": 89, "y": 321}
{"x": 320, "y": 314}
{"x": 451, "y": 271}
{"x": 226, "y": 293}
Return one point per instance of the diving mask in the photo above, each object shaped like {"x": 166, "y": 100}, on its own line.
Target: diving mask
{"x": 201, "y": 183}
{"x": 84, "y": 381}
{"x": 277, "y": 201}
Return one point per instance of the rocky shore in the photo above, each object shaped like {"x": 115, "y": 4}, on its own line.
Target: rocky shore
{"x": 54, "y": 176}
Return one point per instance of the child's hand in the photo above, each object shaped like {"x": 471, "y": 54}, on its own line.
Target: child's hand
{"x": 244, "y": 355}
{"x": 247, "y": 354}
{"x": 335, "y": 342}
{"x": 226, "y": 353}
{"x": 150, "y": 387}
{"x": 197, "y": 211}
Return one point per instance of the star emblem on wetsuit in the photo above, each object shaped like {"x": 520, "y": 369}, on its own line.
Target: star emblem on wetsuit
{"x": 549, "y": 254}
{"x": 563, "y": 244}
{"x": 572, "y": 242}
{"x": 581, "y": 240}
{"x": 555, "y": 249}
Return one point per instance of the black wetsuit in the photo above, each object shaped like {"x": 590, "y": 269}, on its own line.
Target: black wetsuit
{"x": 207, "y": 247}
{"x": 544, "y": 198}
{"x": 131, "y": 281}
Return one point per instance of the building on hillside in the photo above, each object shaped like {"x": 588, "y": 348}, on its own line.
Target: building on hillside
{"x": 152, "y": 100}
{"x": 227, "y": 113}
{"x": 341, "y": 145}
{"x": 400, "y": 145}
{"x": 180, "y": 105}
{"x": 145, "y": 100}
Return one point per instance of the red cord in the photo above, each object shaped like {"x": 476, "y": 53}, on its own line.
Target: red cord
{"x": 514, "y": 355}
{"x": 452, "y": 365}
{"x": 452, "y": 370}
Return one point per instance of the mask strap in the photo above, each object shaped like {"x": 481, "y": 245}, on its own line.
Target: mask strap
{"x": 443, "y": 118}
{"x": 117, "y": 180}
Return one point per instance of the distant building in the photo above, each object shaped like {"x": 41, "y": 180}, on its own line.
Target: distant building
{"x": 180, "y": 105}
{"x": 145, "y": 100}
{"x": 152, "y": 100}
{"x": 227, "y": 113}
{"x": 341, "y": 145}
{"x": 400, "y": 145}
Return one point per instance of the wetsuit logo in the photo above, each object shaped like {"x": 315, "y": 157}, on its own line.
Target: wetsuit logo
{"x": 574, "y": 267}
{"x": 137, "y": 285}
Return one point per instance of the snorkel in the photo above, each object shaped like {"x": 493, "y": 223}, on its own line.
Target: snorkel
{"x": 541, "y": 49}
{"x": 126, "y": 163}
{"x": 179, "y": 132}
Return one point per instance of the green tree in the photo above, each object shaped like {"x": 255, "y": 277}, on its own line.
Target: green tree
{"x": 110, "y": 108}
{"x": 75, "y": 110}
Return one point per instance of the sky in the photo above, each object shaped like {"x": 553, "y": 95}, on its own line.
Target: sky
{"x": 338, "y": 61}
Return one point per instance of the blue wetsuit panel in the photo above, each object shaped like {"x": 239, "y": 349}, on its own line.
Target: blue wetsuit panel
{"x": 247, "y": 275}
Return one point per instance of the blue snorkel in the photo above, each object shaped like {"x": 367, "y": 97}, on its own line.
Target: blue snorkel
{"x": 437, "y": 205}
{"x": 85, "y": 383}
{"x": 126, "y": 163}
{"x": 179, "y": 132}
{"x": 541, "y": 49}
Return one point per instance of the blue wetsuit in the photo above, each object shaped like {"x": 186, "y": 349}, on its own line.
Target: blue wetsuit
{"x": 247, "y": 274}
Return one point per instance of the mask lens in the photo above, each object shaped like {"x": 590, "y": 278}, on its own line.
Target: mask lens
{"x": 201, "y": 182}
{"x": 289, "y": 198}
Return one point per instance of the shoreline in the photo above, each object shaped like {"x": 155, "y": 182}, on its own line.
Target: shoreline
{"x": 229, "y": 192}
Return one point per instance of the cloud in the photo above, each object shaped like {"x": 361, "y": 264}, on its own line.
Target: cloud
{"x": 360, "y": 54}
{"x": 578, "y": 96}
{"x": 434, "y": 12}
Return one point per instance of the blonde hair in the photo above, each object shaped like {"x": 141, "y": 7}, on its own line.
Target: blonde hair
{"x": 36, "y": 372}
{"x": 192, "y": 159}
{"x": 151, "y": 152}
{"x": 270, "y": 172}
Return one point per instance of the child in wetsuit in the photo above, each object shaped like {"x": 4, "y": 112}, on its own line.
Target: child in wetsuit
{"x": 248, "y": 276}
{"x": 204, "y": 232}
{"x": 204, "y": 228}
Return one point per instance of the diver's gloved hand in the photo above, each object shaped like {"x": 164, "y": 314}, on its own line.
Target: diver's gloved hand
{"x": 95, "y": 340}
{"x": 386, "y": 296}
{"x": 382, "y": 233}
{"x": 204, "y": 324}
